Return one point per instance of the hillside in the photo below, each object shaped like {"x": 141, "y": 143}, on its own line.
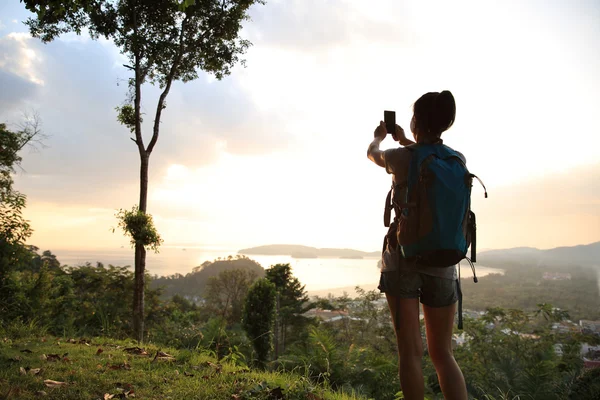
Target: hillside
{"x": 193, "y": 284}
{"x": 106, "y": 369}
{"x": 299, "y": 251}
{"x": 583, "y": 255}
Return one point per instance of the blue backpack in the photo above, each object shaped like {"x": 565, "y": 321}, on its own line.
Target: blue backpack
{"x": 434, "y": 224}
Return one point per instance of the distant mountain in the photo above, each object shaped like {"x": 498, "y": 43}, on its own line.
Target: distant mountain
{"x": 583, "y": 255}
{"x": 298, "y": 251}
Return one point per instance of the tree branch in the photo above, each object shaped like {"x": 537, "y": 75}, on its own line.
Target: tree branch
{"x": 139, "y": 140}
{"x": 161, "y": 101}
{"x": 30, "y": 131}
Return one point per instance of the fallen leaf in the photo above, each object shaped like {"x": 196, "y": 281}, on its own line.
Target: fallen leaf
{"x": 161, "y": 355}
{"x": 53, "y": 357}
{"x": 22, "y": 371}
{"x": 235, "y": 397}
{"x": 44, "y": 340}
{"x": 108, "y": 396}
{"x": 100, "y": 351}
{"x": 26, "y": 351}
{"x": 43, "y": 357}
{"x": 187, "y": 374}
{"x": 34, "y": 371}
{"x": 72, "y": 341}
{"x": 50, "y": 383}
{"x": 125, "y": 366}
{"x": 176, "y": 372}
{"x": 41, "y": 393}
{"x": 15, "y": 359}
{"x": 136, "y": 350}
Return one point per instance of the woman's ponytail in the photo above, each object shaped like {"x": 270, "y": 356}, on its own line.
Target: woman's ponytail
{"x": 445, "y": 110}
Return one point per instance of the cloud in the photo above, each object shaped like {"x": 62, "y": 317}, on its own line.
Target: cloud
{"x": 315, "y": 26}
{"x": 90, "y": 159}
{"x": 19, "y": 55}
{"x": 15, "y": 90}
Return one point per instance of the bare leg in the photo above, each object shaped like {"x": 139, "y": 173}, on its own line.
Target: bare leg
{"x": 439, "y": 322}
{"x": 405, "y": 315}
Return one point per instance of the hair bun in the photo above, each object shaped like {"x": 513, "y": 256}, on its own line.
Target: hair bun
{"x": 445, "y": 96}
{"x": 446, "y": 109}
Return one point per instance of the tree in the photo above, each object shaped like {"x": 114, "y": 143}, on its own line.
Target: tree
{"x": 14, "y": 228}
{"x": 226, "y": 292}
{"x": 292, "y": 303}
{"x": 258, "y": 317}
{"x": 165, "y": 41}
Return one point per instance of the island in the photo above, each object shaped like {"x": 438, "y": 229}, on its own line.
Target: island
{"x": 299, "y": 251}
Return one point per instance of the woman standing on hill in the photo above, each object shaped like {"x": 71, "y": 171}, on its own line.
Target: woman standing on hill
{"x": 405, "y": 283}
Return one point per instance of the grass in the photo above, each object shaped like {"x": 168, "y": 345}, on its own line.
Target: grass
{"x": 102, "y": 368}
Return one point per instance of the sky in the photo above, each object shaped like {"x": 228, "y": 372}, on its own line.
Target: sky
{"x": 276, "y": 152}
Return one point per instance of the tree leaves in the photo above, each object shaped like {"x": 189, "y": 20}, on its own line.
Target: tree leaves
{"x": 139, "y": 226}
{"x": 259, "y": 313}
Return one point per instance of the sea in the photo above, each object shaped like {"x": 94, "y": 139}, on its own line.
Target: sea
{"x": 319, "y": 275}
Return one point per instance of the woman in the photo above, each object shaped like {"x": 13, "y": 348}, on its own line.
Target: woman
{"x": 403, "y": 283}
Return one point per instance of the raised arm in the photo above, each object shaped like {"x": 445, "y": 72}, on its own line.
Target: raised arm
{"x": 374, "y": 153}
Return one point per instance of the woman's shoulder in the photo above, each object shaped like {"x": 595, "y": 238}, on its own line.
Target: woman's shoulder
{"x": 397, "y": 160}
{"x": 458, "y": 153}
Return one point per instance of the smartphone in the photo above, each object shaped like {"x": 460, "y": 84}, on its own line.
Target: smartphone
{"x": 389, "y": 117}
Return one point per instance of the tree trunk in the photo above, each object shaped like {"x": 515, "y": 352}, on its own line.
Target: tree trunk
{"x": 140, "y": 257}
{"x": 145, "y": 159}
{"x": 276, "y": 336}
{"x": 138, "y": 292}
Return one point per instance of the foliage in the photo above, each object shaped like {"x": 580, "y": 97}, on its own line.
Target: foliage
{"x": 293, "y": 302}
{"x": 126, "y": 116}
{"x": 225, "y": 293}
{"x": 14, "y": 228}
{"x": 357, "y": 354}
{"x": 175, "y": 322}
{"x": 11, "y": 143}
{"x": 586, "y": 386}
{"x": 84, "y": 300}
{"x": 258, "y": 317}
{"x": 139, "y": 226}
{"x": 508, "y": 353}
{"x": 502, "y": 357}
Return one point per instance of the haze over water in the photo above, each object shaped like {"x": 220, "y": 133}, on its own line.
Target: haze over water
{"x": 317, "y": 274}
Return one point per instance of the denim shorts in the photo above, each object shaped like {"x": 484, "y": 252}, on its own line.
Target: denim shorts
{"x": 432, "y": 291}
